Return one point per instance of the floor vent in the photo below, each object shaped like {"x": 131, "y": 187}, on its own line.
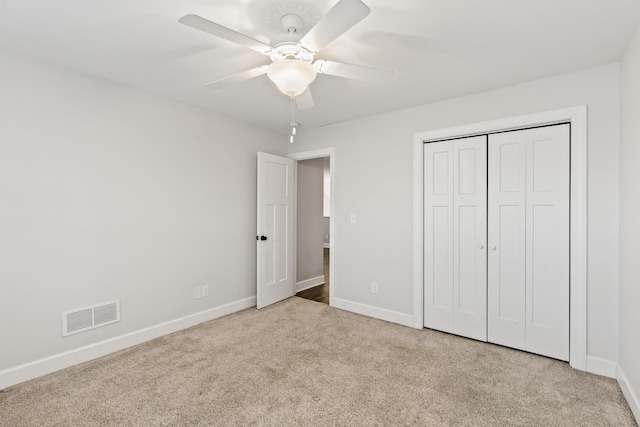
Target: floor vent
{"x": 84, "y": 319}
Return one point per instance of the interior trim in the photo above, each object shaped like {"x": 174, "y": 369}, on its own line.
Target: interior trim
{"x": 309, "y": 283}
{"x": 627, "y": 391}
{"x": 59, "y": 361}
{"x": 374, "y": 312}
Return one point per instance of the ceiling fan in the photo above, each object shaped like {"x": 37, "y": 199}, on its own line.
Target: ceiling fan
{"x": 292, "y": 66}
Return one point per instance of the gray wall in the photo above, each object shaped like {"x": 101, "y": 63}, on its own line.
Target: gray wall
{"x": 112, "y": 193}
{"x": 310, "y": 230}
{"x": 326, "y": 205}
{"x": 327, "y": 232}
{"x": 629, "y": 365}
{"x": 374, "y": 180}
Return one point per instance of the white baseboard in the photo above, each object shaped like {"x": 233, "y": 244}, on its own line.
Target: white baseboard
{"x": 629, "y": 393}
{"x": 38, "y": 368}
{"x": 309, "y": 283}
{"x": 375, "y": 312}
{"x": 603, "y": 367}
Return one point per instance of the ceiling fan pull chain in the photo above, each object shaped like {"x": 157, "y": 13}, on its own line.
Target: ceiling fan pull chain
{"x": 293, "y": 123}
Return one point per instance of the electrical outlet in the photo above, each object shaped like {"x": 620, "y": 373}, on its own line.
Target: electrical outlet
{"x": 205, "y": 290}
{"x": 196, "y": 292}
{"x": 374, "y": 287}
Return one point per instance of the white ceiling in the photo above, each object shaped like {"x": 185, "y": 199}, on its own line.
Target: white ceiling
{"x": 438, "y": 49}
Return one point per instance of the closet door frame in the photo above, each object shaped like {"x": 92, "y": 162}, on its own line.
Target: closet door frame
{"x": 577, "y": 118}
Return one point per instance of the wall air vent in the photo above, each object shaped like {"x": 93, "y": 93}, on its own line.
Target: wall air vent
{"x": 86, "y": 318}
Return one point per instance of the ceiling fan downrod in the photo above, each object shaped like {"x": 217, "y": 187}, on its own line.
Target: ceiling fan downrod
{"x": 291, "y": 23}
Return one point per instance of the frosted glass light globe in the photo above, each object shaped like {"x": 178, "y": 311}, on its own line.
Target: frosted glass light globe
{"x": 291, "y": 76}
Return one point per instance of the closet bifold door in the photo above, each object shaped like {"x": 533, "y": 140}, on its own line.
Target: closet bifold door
{"x": 455, "y": 209}
{"x": 528, "y": 240}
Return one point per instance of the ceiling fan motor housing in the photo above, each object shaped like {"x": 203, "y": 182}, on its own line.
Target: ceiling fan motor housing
{"x": 290, "y": 50}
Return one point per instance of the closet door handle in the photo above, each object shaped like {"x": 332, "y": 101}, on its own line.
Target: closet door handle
{"x": 480, "y": 246}
{"x": 493, "y": 248}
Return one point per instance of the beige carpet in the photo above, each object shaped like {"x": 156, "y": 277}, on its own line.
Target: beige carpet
{"x": 303, "y": 363}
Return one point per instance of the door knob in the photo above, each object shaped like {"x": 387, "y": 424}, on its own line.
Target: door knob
{"x": 493, "y": 248}
{"x": 481, "y": 246}
{"x": 263, "y": 238}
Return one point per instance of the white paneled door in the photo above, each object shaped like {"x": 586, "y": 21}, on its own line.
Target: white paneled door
{"x": 455, "y": 233}
{"x": 528, "y": 239}
{"x": 496, "y": 224}
{"x": 506, "y": 239}
{"x": 274, "y": 240}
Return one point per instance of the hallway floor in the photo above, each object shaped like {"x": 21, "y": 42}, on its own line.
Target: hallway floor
{"x": 319, "y": 293}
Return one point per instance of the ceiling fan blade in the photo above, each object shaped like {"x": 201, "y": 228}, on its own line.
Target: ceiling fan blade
{"x": 344, "y": 15}
{"x": 202, "y": 24}
{"x": 351, "y": 71}
{"x": 305, "y": 100}
{"x": 238, "y": 77}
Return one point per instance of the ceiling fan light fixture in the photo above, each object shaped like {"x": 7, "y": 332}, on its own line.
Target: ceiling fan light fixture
{"x": 291, "y": 76}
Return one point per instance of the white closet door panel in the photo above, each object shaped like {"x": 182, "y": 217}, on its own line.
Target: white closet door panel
{"x": 438, "y": 230}
{"x": 442, "y": 280}
{"x": 509, "y": 254}
{"x": 506, "y": 239}
{"x": 528, "y": 265}
{"x": 441, "y": 169}
{"x": 540, "y": 280}
{"x": 455, "y": 236}
{"x": 469, "y": 237}
{"x": 547, "y": 237}
{"x": 466, "y": 256}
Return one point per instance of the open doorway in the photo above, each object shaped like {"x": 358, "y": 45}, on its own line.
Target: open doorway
{"x": 315, "y": 235}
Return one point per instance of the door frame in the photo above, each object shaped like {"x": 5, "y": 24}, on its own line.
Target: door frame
{"x": 315, "y": 154}
{"x": 577, "y": 118}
